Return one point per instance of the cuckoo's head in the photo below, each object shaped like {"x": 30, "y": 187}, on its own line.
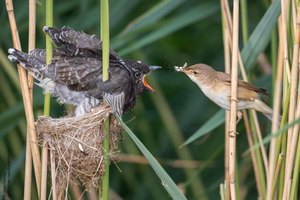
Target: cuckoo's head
{"x": 139, "y": 71}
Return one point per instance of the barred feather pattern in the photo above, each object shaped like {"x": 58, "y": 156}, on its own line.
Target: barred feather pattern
{"x": 116, "y": 101}
{"x": 74, "y": 75}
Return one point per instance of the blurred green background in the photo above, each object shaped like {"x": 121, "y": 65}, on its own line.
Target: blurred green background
{"x": 165, "y": 33}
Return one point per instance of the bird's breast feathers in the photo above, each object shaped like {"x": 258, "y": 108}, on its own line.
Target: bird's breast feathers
{"x": 220, "y": 95}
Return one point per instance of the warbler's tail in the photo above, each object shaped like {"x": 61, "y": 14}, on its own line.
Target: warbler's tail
{"x": 265, "y": 109}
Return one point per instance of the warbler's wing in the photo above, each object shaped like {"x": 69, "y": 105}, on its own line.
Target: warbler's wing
{"x": 246, "y": 91}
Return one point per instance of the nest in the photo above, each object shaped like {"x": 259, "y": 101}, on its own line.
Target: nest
{"x": 76, "y": 145}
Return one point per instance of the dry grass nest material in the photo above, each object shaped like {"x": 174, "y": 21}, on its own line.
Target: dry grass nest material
{"x": 76, "y": 143}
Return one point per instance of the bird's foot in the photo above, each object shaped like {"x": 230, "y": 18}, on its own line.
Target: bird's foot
{"x": 232, "y": 134}
{"x": 180, "y": 69}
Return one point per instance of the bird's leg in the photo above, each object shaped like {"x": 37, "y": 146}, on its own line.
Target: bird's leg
{"x": 239, "y": 117}
{"x": 231, "y": 134}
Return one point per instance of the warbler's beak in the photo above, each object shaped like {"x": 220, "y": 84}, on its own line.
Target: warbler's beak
{"x": 147, "y": 85}
{"x": 154, "y": 67}
{"x": 182, "y": 68}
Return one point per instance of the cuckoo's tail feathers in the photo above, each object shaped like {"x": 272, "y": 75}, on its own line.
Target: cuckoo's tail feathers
{"x": 33, "y": 65}
{"x": 54, "y": 34}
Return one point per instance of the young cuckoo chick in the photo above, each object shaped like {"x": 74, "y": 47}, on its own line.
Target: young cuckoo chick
{"x": 74, "y": 75}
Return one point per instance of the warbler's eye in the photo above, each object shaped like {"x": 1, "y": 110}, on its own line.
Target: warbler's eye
{"x": 138, "y": 74}
{"x": 195, "y": 72}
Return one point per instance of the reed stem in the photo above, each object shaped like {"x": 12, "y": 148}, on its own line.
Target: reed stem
{"x": 31, "y": 45}
{"x": 26, "y": 98}
{"x": 233, "y": 102}
{"x": 49, "y": 22}
{"x": 104, "y": 9}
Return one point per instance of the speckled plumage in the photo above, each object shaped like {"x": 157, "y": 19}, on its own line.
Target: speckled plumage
{"x": 75, "y": 73}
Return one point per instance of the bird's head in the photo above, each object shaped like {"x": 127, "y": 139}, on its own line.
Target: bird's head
{"x": 197, "y": 72}
{"x": 139, "y": 71}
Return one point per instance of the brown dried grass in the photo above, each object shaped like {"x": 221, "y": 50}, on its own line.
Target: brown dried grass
{"x": 76, "y": 143}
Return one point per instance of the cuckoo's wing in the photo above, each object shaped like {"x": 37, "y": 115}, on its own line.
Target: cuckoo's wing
{"x": 78, "y": 73}
{"x": 66, "y": 35}
{"x": 72, "y": 43}
{"x": 39, "y": 54}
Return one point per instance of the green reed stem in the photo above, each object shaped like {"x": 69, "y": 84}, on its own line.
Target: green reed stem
{"x": 295, "y": 179}
{"x": 259, "y": 160}
{"x": 244, "y": 18}
{"x": 105, "y": 38}
{"x": 105, "y": 182}
{"x": 49, "y": 22}
{"x": 104, "y": 9}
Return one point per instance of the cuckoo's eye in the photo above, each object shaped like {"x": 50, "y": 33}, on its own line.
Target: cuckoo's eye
{"x": 137, "y": 74}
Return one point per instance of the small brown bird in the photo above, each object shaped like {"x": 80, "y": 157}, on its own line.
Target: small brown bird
{"x": 216, "y": 86}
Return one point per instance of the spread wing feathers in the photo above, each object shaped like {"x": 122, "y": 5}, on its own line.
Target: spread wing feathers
{"x": 72, "y": 43}
{"x": 245, "y": 89}
{"x": 39, "y": 54}
{"x": 77, "y": 73}
{"x": 28, "y": 61}
{"x": 66, "y": 35}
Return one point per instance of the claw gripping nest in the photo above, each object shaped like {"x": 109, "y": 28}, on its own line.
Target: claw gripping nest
{"x": 76, "y": 143}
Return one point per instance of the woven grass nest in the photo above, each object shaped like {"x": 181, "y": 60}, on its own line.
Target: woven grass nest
{"x": 76, "y": 145}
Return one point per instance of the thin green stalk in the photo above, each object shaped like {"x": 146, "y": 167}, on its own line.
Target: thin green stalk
{"x": 283, "y": 121}
{"x": 276, "y": 174}
{"x": 49, "y": 22}
{"x": 296, "y": 173}
{"x": 222, "y": 191}
{"x": 274, "y": 49}
{"x": 104, "y": 9}
{"x": 260, "y": 166}
{"x": 237, "y": 178}
{"x": 281, "y": 145}
{"x": 105, "y": 182}
{"x": 282, "y": 170}
{"x": 244, "y": 16}
{"x": 105, "y": 38}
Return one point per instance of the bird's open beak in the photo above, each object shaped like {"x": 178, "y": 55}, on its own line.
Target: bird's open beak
{"x": 146, "y": 84}
{"x": 154, "y": 67}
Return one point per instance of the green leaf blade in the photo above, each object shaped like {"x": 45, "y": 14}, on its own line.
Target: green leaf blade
{"x": 260, "y": 37}
{"x": 167, "y": 182}
{"x": 214, "y": 122}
